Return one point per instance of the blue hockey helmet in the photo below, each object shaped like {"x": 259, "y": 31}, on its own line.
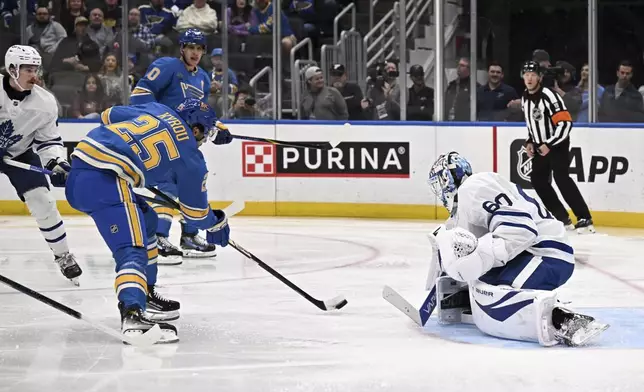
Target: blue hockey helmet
{"x": 447, "y": 175}
{"x": 200, "y": 114}
{"x": 192, "y": 36}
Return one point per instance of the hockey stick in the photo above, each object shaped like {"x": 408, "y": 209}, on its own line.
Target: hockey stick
{"x": 427, "y": 308}
{"x": 334, "y": 303}
{"x": 314, "y": 145}
{"x": 27, "y": 166}
{"x": 147, "y": 339}
{"x": 37, "y": 169}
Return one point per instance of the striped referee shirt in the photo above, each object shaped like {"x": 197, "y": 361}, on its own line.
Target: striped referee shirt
{"x": 546, "y": 117}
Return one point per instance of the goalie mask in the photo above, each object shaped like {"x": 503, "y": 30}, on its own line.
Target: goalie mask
{"x": 446, "y": 175}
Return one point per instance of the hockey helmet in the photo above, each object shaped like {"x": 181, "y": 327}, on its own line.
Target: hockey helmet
{"x": 19, "y": 55}
{"x": 200, "y": 114}
{"x": 447, "y": 174}
{"x": 531, "y": 66}
{"x": 192, "y": 36}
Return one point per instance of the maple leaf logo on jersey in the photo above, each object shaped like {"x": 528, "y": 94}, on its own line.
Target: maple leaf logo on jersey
{"x": 7, "y": 138}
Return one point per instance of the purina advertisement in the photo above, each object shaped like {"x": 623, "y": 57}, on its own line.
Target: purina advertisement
{"x": 348, "y": 159}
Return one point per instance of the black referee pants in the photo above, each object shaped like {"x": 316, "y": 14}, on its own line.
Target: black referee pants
{"x": 557, "y": 162}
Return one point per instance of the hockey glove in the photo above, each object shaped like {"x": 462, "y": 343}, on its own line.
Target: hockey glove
{"x": 223, "y": 135}
{"x": 220, "y": 232}
{"x": 61, "y": 169}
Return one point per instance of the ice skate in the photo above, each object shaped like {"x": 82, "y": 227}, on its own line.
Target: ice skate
{"x": 69, "y": 267}
{"x": 168, "y": 253}
{"x": 195, "y": 246}
{"x": 134, "y": 323}
{"x": 585, "y": 225}
{"x": 159, "y": 308}
{"x": 568, "y": 225}
{"x": 574, "y": 329}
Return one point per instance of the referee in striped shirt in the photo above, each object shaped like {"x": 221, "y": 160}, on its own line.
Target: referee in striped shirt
{"x": 549, "y": 125}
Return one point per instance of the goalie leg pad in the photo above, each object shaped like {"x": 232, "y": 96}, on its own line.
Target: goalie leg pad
{"x": 509, "y": 313}
{"x": 452, "y": 300}
{"x": 42, "y": 206}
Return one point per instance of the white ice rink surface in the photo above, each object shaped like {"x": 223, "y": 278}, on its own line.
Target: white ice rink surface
{"x": 243, "y": 330}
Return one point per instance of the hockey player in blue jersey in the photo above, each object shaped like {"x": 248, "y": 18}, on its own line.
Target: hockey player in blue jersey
{"x": 170, "y": 80}
{"x": 115, "y": 158}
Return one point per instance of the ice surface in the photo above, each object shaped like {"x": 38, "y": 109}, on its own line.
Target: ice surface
{"x": 242, "y": 330}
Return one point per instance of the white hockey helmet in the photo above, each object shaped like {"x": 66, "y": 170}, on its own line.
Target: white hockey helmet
{"x": 19, "y": 55}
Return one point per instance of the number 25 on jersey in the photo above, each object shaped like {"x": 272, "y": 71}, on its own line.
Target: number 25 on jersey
{"x": 146, "y": 139}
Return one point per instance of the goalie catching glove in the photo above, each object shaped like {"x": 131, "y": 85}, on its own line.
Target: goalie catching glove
{"x": 61, "y": 169}
{"x": 220, "y": 232}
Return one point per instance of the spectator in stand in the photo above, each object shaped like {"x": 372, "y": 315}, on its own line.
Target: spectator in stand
{"x": 264, "y": 13}
{"x": 177, "y": 6}
{"x": 317, "y": 15}
{"x": 494, "y": 96}
{"x": 622, "y": 102}
{"x": 45, "y": 34}
{"x": 157, "y": 18}
{"x": 321, "y": 102}
{"x": 583, "y": 86}
{"x": 240, "y": 18}
{"x": 379, "y": 104}
{"x": 112, "y": 14}
{"x": 110, "y": 76}
{"x": 198, "y": 16}
{"x": 217, "y": 79}
{"x": 78, "y": 52}
{"x": 351, "y": 92}
{"x": 98, "y": 32}
{"x": 138, "y": 31}
{"x": 91, "y": 101}
{"x": 564, "y": 85}
{"x": 457, "y": 96}
{"x": 72, "y": 10}
{"x": 10, "y": 11}
{"x": 392, "y": 88}
{"x": 420, "y": 106}
{"x": 244, "y": 106}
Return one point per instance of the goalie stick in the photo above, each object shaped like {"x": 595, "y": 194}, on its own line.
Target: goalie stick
{"x": 147, "y": 339}
{"x": 427, "y": 308}
{"x": 333, "y": 303}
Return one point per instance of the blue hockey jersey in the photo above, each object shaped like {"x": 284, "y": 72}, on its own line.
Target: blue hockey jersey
{"x": 142, "y": 144}
{"x": 158, "y": 20}
{"x": 167, "y": 81}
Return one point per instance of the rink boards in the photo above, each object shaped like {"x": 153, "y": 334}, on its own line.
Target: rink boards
{"x": 380, "y": 169}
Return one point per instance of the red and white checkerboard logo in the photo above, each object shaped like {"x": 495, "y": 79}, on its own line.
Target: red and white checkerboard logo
{"x": 258, "y": 159}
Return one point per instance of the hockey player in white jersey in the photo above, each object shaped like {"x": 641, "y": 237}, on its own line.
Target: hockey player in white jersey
{"x": 29, "y": 134}
{"x": 509, "y": 252}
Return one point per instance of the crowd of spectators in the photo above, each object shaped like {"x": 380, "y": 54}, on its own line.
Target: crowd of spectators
{"x": 79, "y": 41}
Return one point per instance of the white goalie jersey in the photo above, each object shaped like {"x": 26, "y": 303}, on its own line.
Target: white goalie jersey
{"x": 30, "y": 123}
{"x": 488, "y": 203}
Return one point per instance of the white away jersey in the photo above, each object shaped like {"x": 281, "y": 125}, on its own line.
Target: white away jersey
{"x": 487, "y": 202}
{"x": 32, "y": 122}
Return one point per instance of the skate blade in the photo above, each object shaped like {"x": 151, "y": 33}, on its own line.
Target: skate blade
{"x": 169, "y": 260}
{"x": 584, "y": 337}
{"x": 195, "y": 254}
{"x": 586, "y": 230}
{"x": 162, "y": 316}
{"x": 75, "y": 281}
{"x": 138, "y": 336}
